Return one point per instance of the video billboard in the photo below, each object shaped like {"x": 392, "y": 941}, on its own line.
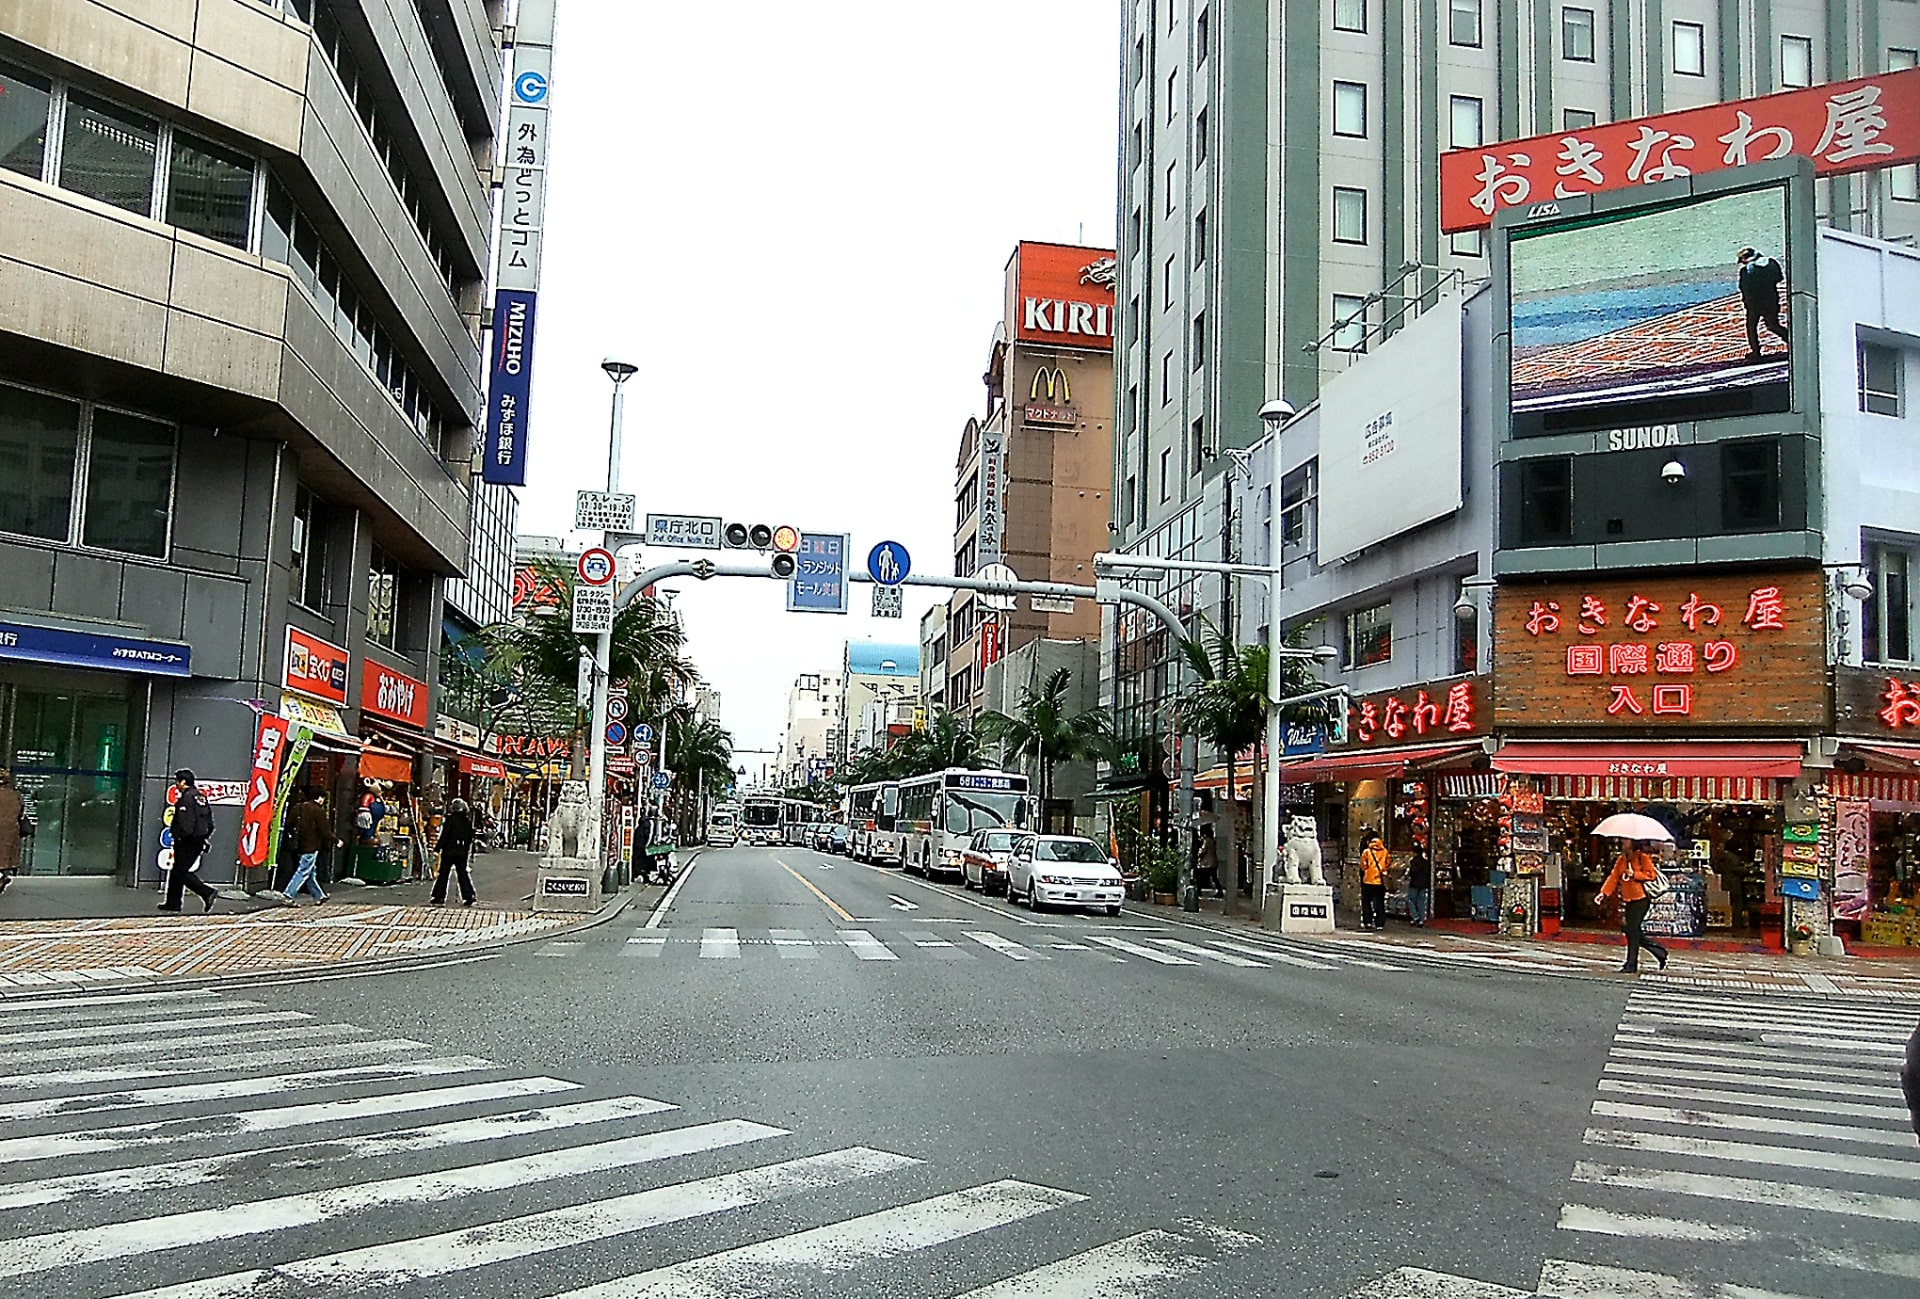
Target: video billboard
{"x": 1678, "y": 312}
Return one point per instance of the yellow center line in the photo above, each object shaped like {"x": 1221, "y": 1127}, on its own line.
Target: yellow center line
{"x": 833, "y": 906}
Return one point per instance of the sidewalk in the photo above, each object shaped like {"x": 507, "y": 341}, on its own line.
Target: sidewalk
{"x": 1705, "y": 966}
{"x": 56, "y": 932}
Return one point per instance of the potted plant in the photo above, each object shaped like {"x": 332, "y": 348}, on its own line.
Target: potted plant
{"x": 1802, "y": 937}
{"x": 1163, "y": 874}
{"x": 1518, "y": 918}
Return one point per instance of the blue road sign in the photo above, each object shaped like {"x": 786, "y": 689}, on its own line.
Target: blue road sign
{"x": 642, "y": 733}
{"x": 888, "y": 563}
{"x": 819, "y": 581}
{"x": 616, "y": 733}
{"x": 661, "y": 780}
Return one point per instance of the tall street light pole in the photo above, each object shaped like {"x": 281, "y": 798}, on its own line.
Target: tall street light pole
{"x": 619, "y": 372}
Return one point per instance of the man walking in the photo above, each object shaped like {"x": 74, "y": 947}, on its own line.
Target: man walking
{"x": 1419, "y": 885}
{"x": 1629, "y": 876}
{"x": 1375, "y": 865}
{"x": 315, "y": 831}
{"x": 192, "y": 828}
{"x": 456, "y": 841}
{"x": 1760, "y": 281}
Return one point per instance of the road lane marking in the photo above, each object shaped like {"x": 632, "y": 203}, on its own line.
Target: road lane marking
{"x": 865, "y": 946}
{"x": 1565, "y": 1280}
{"x": 1124, "y": 1267}
{"x": 673, "y": 892}
{"x": 720, "y": 944}
{"x": 1746, "y": 1152}
{"x": 1225, "y": 958}
{"x": 1902, "y": 1137}
{"x": 1135, "y": 949}
{"x": 258, "y": 1085}
{"x": 1834, "y": 1109}
{"x": 647, "y": 944}
{"x": 1773, "y": 1082}
{"x": 173, "y": 1045}
{"x": 148, "y": 1027}
{"x": 1004, "y": 946}
{"x": 1750, "y": 1190}
{"x": 1856, "y": 1256}
{"x": 1270, "y": 954}
{"x": 846, "y": 916}
{"x": 901, "y": 904}
{"x": 14, "y": 1083}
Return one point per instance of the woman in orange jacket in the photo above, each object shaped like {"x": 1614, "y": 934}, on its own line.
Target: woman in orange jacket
{"x": 1631, "y": 872}
{"x": 1375, "y": 865}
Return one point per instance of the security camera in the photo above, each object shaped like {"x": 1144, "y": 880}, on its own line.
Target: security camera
{"x": 1276, "y": 412}
{"x": 1673, "y": 472}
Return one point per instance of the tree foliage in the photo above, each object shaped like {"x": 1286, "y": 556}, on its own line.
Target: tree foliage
{"x": 1043, "y": 732}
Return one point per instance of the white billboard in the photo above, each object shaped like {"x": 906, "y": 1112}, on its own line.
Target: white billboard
{"x": 1390, "y": 436}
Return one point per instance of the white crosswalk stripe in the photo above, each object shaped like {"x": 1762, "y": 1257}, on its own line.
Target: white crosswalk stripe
{"x": 284, "y": 1185}
{"x": 1718, "y": 1119}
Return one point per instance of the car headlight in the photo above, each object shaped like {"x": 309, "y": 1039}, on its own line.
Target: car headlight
{"x": 1054, "y": 879}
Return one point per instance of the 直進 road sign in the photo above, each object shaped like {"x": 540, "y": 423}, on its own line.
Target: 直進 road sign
{"x": 819, "y": 581}
{"x": 684, "y": 531}
{"x": 888, "y": 563}
{"x": 596, "y": 566}
{"x": 603, "y": 511}
{"x": 592, "y": 610}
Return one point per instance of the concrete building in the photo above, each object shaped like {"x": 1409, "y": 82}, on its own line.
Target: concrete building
{"x": 1032, "y": 478}
{"x": 813, "y": 728}
{"x": 1068, "y": 808}
{"x": 872, "y": 671}
{"x": 1278, "y": 176}
{"x": 243, "y": 254}
{"x": 933, "y": 658}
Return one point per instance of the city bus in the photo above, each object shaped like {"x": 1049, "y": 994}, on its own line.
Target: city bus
{"x": 797, "y": 817}
{"x": 941, "y": 812}
{"x": 760, "y": 820}
{"x": 872, "y": 832}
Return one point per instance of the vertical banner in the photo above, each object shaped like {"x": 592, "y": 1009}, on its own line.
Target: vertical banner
{"x": 1852, "y": 851}
{"x": 988, "y": 544}
{"x": 263, "y": 780}
{"x": 509, "y": 388}
{"x": 989, "y": 643}
{"x": 296, "y": 756}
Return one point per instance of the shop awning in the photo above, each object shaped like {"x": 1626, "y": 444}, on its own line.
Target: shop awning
{"x": 1654, "y": 761}
{"x": 385, "y": 764}
{"x": 1383, "y": 764}
{"x": 478, "y": 766}
{"x": 1898, "y": 757}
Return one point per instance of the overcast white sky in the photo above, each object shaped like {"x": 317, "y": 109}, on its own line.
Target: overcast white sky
{"x": 794, "y": 219}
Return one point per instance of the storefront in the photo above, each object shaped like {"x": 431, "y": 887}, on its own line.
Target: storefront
{"x": 394, "y": 713}
{"x": 1872, "y": 809}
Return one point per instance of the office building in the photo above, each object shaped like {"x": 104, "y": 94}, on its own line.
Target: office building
{"x": 811, "y": 737}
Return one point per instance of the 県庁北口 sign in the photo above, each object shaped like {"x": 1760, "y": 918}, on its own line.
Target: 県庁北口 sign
{"x": 1657, "y": 651}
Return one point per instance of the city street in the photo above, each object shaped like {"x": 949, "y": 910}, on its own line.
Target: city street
{"x": 806, "y": 1076}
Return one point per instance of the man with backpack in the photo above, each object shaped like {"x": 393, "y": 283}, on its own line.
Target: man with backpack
{"x": 192, "y": 829}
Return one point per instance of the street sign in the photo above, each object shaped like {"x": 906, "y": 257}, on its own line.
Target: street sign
{"x": 643, "y": 754}
{"x": 592, "y": 610}
{"x": 616, "y": 733}
{"x": 819, "y": 581}
{"x": 889, "y": 602}
{"x": 603, "y": 511}
{"x": 620, "y": 764}
{"x": 616, "y": 708}
{"x": 661, "y": 780}
{"x": 643, "y": 732}
{"x": 596, "y": 566}
{"x": 888, "y": 563}
{"x": 684, "y": 531}
{"x": 1000, "y": 601}
{"x": 1050, "y": 603}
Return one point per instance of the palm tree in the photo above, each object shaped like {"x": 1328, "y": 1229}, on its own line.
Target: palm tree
{"x": 699, "y": 753}
{"x": 1042, "y": 731}
{"x": 948, "y": 741}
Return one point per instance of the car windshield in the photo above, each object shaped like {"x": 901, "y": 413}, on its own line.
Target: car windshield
{"x": 1071, "y": 850}
{"x": 996, "y": 841}
{"x": 969, "y": 810}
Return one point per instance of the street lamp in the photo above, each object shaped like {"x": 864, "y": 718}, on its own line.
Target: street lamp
{"x": 618, "y": 371}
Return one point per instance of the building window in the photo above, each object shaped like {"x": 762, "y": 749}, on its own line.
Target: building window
{"x": 1349, "y": 215}
{"x": 1370, "y": 636}
{"x": 1199, "y": 340}
{"x": 1200, "y": 238}
{"x": 1166, "y": 463}
{"x": 1172, "y": 192}
{"x": 1576, "y": 34}
{"x": 1299, "y": 506}
{"x": 383, "y": 600}
{"x": 1133, "y": 319}
{"x": 310, "y": 550}
{"x": 1796, "y": 61}
{"x": 209, "y": 190}
{"x": 1546, "y": 501}
{"x": 1886, "y": 616}
{"x": 1350, "y": 322}
{"x": 1134, "y": 226}
{"x": 119, "y": 466}
{"x": 1166, "y": 377}
{"x": 1198, "y": 432}
{"x": 967, "y": 501}
{"x": 1139, "y": 143}
{"x": 1750, "y": 485}
{"x": 1350, "y": 109}
{"x": 40, "y": 444}
{"x": 1468, "y": 243}
{"x": 1349, "y": 15}
{"x": 1173, "y": 86}
{"x": 1139, "y": 59}
{"x": 1166, "y": 280}
{"x": 1201, "y": 34}
{"x": 1466, "y": 641}
{"x": 1466, "y": 118}
{"x": 1576, "y": 119}
{"x": 1133, "y": 493}
{"x": 1463, "y": 27}
{"x": 26, "y": 106}
{"x": 1690, "y": 49}
{"x": 107, "y": 153}
{"x": 129, "y": 484}
{"x": 1134, "y": 411}
{"x": 1880, "y": 380}
{"x": 1200, "y": 136}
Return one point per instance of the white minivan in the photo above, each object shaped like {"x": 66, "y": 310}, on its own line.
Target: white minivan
{"x": 1064, "y": 870}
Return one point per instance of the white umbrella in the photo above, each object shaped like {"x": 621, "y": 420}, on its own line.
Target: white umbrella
{"x": 1632, "y": 825}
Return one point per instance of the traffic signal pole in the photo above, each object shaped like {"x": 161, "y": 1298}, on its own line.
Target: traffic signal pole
{"x": 603, "y": 651}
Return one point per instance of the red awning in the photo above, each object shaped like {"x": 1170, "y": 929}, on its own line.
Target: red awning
{"x": 482, "y": 766}
{"x": 1365, "y": 765}
{"x": 1899, "y": 757}
{"x": 1548, "y": 758}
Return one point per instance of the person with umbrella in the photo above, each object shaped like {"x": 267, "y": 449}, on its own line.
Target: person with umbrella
{"x": 1632, "y": 871}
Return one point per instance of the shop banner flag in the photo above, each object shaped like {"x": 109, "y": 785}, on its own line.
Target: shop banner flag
{"x": 1852, "y": 853}
{"x": 263, "y": 781}
{"x": 296, "y": 756}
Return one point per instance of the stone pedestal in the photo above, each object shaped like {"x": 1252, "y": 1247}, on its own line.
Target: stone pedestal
{"x": 566, "y": 884}
{"x": 1299, "y": 909}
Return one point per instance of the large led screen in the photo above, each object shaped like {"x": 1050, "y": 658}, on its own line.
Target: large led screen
{"x": 1675, "y": 313}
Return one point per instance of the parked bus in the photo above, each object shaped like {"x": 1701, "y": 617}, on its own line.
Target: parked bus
{"x": 872, "y": 831}
{"x": 760, "y": 820}
{"x": 941, "y": 812}
{"x": 723, "y": 826}
{"x": 797, "y": 819}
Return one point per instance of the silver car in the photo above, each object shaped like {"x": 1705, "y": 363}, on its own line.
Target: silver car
{"x": 1064, "y": 870}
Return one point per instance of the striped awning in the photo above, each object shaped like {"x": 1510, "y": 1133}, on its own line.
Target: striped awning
{"x": 1888, "y": 793}
{"x": 1479, "y": 784}
{"x": 1668, "y": 789}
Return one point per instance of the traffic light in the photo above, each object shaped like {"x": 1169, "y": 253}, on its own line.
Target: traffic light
{"x": 761, "y": 536}
{"x": 783, "y": 565}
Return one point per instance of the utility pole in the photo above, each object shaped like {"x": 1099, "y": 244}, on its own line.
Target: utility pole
{"x": 619, "y": 372}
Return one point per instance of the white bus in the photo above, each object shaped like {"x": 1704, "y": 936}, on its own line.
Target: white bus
{"x": 760, "y": 820}
{"x": 941, "y": 812}
{"x": 872, "y": 830}
{"x": 797, "y": 817}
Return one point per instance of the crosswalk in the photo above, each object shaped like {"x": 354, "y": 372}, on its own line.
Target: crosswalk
{"x": 1756, "y": 1148}
{"x": 131, "y": 1169}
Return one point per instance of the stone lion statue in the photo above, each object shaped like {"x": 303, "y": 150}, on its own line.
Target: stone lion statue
{"x": 1302, "y": 858}
{"x": 569, "y": 829}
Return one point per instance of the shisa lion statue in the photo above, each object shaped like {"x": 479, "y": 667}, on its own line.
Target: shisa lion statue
{"x": 1302, "y": 862}
{"x": 569, "y": 829}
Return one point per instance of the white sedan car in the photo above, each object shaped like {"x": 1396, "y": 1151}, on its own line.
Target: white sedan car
{"x": 1064, "y": 870}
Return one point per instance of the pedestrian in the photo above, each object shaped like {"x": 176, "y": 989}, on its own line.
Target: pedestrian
{"x": 192, "y": 829}
{"x": 456, "y": 841}
{"x": 1910, "y": 1080}
{"x": 1760, "y": 281}
{"x": 1631, "y": 872}
{"x": 313, "y": 829}
{"x": 1419, "y": 885}
{"x": 15, "y": 826}
{"x": 1375, "y": 865}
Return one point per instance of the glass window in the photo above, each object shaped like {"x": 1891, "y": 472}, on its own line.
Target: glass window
{"x": 383, "y": 598}
{"x": 310, "y": 550}
{"x": 1201, "y": 35}
{"x": 1576, "y": 119}
{"x": 1899, "y": 59}
{"x": 1796, "y": 61}
{"x": 1349, "y": 108}
{"x": 1576, "y": 34}
{"x": 1886, "y": 616}
{"x": 1350, "y": 15}
{"x": 1199, "y": 340}
{"x": 1166, "y": 280}
{"x": 39, "y": 444}
{"x": 1200, "y": 238}
{"x": 1198, "y": 444}
{"x": 129, "y": 483}
{"x": 1464, "y": 25}
{"x": 1879, "y": 379}
{"x": 1468, "y": 243}
{"x": 1466, "y": 641}
{"x": 1166, "y": 377}
{"x": 108, "y": 154}
{"x": 1750, "y": 484}
{"x": 1350, "y": 322}
{"x": 1370, "y": 636}
{"x": 1466, "y": 118}
{"x": 1172, "y": 191}
{"x": 276, "y": 233}
{"x": 1546, "y": 500}
{"x": 1298, "y": 507}
{"x": 1690, "y": 49}
{"x": 1349, "y": 215}
{"x": 1166, "y": 463}
{"x": 1200, "y": 136}
{"x": 1173, "y": 86}
{"x": 209, "y": 190}
{"x": 25, "y": 101}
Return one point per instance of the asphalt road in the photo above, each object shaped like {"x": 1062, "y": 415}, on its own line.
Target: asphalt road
{"x": 890, "y": 1088}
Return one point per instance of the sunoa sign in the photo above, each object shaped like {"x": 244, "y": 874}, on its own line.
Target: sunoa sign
{"x": 1660, "y": 651}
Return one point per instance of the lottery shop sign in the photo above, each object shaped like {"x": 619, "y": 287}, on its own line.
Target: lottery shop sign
{"x": 1662, "y": 652}
{"x": 1434, "y": 713}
